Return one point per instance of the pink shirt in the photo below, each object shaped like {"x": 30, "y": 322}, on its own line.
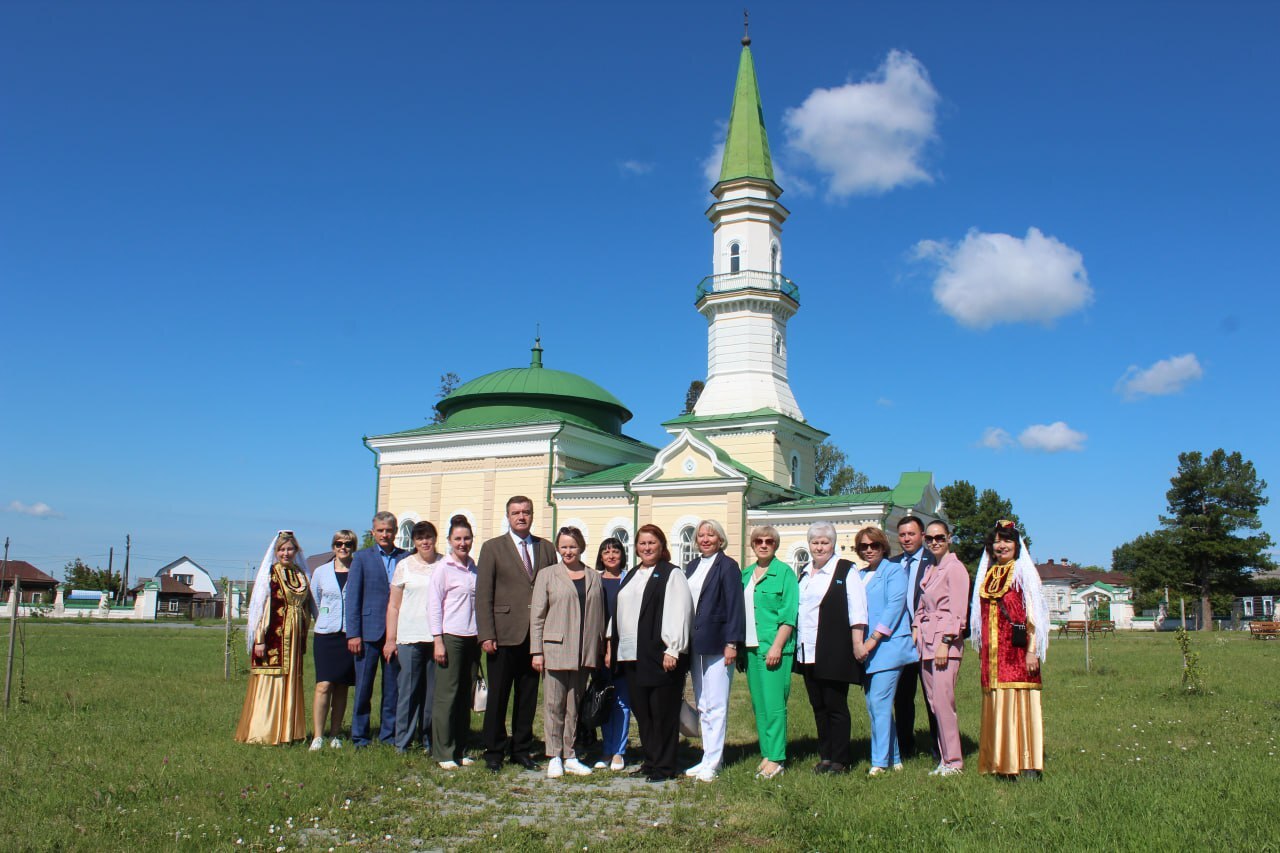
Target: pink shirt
{"x": 451, "y": 598}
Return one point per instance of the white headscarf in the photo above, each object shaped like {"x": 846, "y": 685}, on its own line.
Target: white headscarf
{"x": 262, "y": 585}
{"x": 1026, "y": 579}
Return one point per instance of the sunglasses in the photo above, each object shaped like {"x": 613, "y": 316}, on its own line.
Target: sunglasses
{"x": 343, "y": 545}
{"x": 863, "y": 546}
{"x": 939, "y": 539}
{"x": 765, "y": 541}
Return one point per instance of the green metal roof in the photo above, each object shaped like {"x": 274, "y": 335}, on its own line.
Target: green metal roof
{"x": 618, "y": 474}
{"x": 746, "y": 148}
{"x": 524, "y": 418}
{"x": 532, "y": 394}
{"x": 825, "y": 501}
{"x": 693, "y": 421}
{"x": 910, "y": 488}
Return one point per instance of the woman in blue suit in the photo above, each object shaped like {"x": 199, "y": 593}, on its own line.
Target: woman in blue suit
{"x": 888, "y": 648}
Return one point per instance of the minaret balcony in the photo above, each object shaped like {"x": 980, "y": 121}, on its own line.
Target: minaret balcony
{"x": 759, "y": 280}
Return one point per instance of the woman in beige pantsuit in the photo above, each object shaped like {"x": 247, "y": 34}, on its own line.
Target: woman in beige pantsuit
{"x": 566, "y": 639}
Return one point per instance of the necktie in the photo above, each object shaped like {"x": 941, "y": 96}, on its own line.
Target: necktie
{"x": 524, "y": 555}
{"x": 915, "y": 589}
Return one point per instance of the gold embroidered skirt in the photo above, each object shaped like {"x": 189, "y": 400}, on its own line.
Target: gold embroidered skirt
{"x": 275, "y": 710}
{"x": 1012, "y": 738}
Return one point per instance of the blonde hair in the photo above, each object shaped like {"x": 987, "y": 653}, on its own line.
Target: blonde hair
{"x": 717, "y": 528}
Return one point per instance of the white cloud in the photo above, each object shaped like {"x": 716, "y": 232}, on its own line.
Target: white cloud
{"x": 711, "y": 165}
{"x": 38, "y": 509}
{"x": 1052, "y": 438}
{"x": 988, "y": 279}
{"x": 868, "y": 137}
{"x": 1167, "y": 376}
{"x": 995, "y": 438}
{"x": 635, "y": 167}
{"x": 885, "y": 402}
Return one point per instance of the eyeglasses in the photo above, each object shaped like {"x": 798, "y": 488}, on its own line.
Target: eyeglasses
{"x": 343, "y": 545}
{"x": 939, "y": 539}
{"x": 764, "y": 541}
{"x": 863, "y": 546}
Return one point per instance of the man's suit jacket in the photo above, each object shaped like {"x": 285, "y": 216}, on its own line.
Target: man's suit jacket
{"x": 367, "y": 591}
{"x": 504, "y": 589}
{"x": 925, "y": 557}
{"x": 567, "y": 636}
{"x": 721, "y": 615}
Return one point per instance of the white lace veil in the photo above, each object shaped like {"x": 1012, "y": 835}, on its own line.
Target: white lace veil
{"x": 262, "y": 586}
{"x": 1027, "y": 579}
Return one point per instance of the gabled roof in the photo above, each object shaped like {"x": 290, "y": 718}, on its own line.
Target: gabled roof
{"x": 29, "y": 574}
{"x": 746, "y": 147}
{"x": 1078, "y": 576}
{"x": 168, "y": 585}
{"x": 164, "y": 570}
{"x": 700, "y": 421}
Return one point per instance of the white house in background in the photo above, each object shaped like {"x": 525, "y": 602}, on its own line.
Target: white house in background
{"x": 188, "y": 571}
{"x": 1073, "y": 593}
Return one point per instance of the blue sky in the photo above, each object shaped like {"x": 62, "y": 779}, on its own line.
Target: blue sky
{"x": 234, "y": 238}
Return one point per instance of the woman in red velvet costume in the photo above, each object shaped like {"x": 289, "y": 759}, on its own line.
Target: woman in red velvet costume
{"x": 1010, "y": 626}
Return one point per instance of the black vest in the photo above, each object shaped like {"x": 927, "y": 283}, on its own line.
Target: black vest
{"x": 649, "y": 646}
{"x": 835, "y": 661}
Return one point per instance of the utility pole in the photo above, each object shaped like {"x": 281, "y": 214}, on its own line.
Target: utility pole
{"x": 13, "y": 622}
{"x": 226, "y": 641}
{"x": 111, "y": 558}
{"x": 125, "y": 582}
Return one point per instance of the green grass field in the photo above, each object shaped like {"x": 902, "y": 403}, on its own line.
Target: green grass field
{"x": 122, "y": 740}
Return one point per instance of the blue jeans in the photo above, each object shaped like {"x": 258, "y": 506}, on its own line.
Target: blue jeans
{"x": 416, "y": 691}
{"x": 879, "y": 688}
{"x": 367, "y": 663}
{"x": 614, "y": 731}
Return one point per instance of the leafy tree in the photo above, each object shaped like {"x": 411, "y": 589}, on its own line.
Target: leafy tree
{"x": 1151, "y": 561}
{"x": 366, "y": 541}
{"x": 79, "y": 576}
{"x": 972, "y": 517}
{"x": 691, "y": 396}
{"x": 834, "y": 476}
{"x": 448, "y": 383}
{"x": 1213, "y": 522}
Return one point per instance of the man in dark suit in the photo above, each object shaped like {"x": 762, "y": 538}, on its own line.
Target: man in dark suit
{"x": 914, "y": 559}
{"x": 368, "y": 588}
{"x": 504, "y": 588}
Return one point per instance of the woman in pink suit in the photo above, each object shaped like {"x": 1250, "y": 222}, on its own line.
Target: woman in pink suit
{"x": 938, "y": 629}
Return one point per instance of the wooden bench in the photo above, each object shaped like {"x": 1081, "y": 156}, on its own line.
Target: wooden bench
{"x": 1102, "y": 626}
{"x": 1264, "y": 630}
{"x": 1073, "y": 627}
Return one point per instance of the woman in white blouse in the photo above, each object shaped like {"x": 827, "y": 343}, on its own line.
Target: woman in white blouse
{"x": 650, "y": 640}
{"x": 409, "y": 636}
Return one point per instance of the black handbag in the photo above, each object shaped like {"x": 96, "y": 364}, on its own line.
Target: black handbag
{"x": 597, "y": 701}
{"x": 1019, "y": 637}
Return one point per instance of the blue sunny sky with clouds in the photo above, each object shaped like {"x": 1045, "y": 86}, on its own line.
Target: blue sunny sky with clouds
{"x": 1035, "y": 244}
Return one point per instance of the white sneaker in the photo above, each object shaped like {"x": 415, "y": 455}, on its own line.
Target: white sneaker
{"x": 599, "y": 765}
{"x": 950, "y": 771}
{"x": 555, "y": 768}
{"x": 467, "y": 762}
{"x": 693, "y": 771}
{"x": 576, "y": 767}
{"x": 706, "y": 774}
{"x": 335, "y": 743}
{"x": 897, "y": 767}
{"x": 317, "y": 744}
{"x": 877, "y": 771}
{"x": 937, "y": 771}
{"x": 448, "y": 765}
{"x": 618, "y": 763}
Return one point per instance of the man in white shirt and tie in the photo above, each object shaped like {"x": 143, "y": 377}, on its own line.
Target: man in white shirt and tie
{"x": 504, "y": 587}
{"x": 914, "y": 558}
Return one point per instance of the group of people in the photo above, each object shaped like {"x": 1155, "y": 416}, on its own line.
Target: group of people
{"x": 532, "y": 612}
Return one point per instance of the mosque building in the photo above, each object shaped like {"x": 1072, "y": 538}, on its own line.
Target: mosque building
{"x": 745, "y": 456}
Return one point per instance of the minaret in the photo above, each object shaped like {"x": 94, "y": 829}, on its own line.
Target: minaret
{"x": 747, "y": 301}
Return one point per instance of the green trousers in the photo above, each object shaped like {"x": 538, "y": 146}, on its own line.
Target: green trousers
{"x": 770, "y": 690}
{"x": 451, "y": 710}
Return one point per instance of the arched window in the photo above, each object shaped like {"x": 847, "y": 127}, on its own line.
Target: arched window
{"x": 773, "y": 259}
{"x": 621, "y": 534}
{"x": 735, "y": 258}
{"x": 801, "y": 560}
{"x": 688, "y": 550}
{"x": 405, "y": 538}
{"x": 795, "y": 471}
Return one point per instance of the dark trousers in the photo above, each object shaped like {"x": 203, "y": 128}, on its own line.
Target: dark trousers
{"x": 830, "y": 702}
{"x": 904, "y": 713}
{"x": 451, "y": 705}
{"x": 367, "y": 663}
{"x": 416, "y": 689}
{"x": 657, "y": 712}
{"x": 510, "y": 672}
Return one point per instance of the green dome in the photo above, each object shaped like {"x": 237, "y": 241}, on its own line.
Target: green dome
{"x": 526, "y": 394}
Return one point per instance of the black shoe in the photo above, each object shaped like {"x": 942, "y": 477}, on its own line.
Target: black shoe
{"x": 836, "y": 767}
{"x": 493, "y": 766}
{"x": 639, "y": 771}
{"x": 526, "y": 762}
{"x": 655, "y": 779}
{"x": 822, "y": 766}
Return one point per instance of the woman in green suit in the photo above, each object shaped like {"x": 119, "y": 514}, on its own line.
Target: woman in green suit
{"x": 773, "y": 603}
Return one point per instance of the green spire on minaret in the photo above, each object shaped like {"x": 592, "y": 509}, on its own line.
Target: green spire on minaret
{"x": 746, "y": 149}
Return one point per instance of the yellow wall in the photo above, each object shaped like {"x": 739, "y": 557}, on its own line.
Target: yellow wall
{"x": 759, "y": 451}
{"x": 703, "y": 466}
